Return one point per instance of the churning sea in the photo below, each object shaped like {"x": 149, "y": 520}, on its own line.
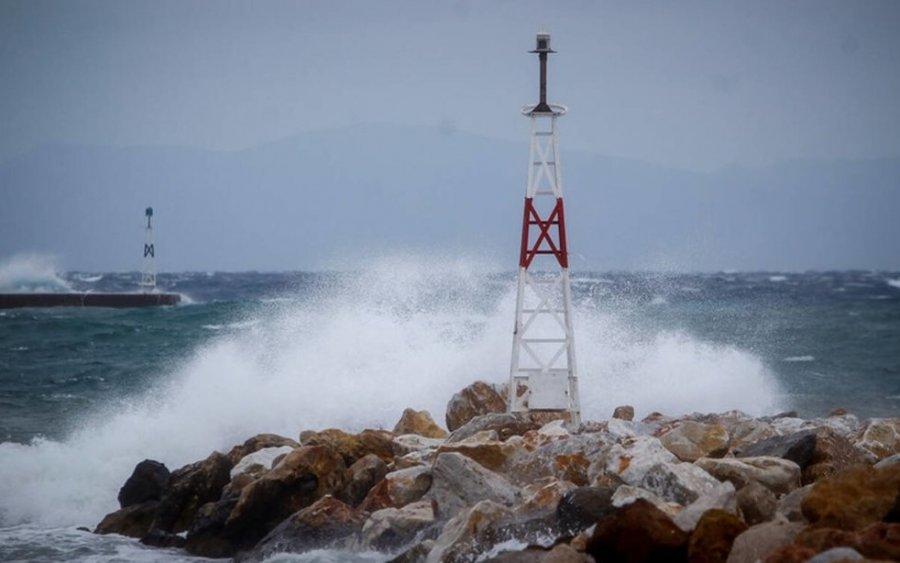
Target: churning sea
{"x": 85, "y": 394}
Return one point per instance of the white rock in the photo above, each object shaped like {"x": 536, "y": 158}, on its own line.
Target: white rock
{"x": 399, "y": 521}
{"x": 724, "y": 497}
{"x": 626, "y": 494}
{"x": 681, "y": 482}
{"x": 778, "y": 475}
{"x": 554, "y": 429}
{"x": 408, "y": 485}
{"x": 631, "y": 459}
{"x": 458, "y": 482}
{"x": 263, "y": 457}
{"x": 843, "y": 425}
{"x": 415, "y": 443}
{"x": 619, "y": 429}
{"x": 463, "y": 538}
{"x": 790, "y": 425}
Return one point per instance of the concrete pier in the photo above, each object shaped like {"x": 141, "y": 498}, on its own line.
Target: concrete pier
{"x": 19, "y": 300}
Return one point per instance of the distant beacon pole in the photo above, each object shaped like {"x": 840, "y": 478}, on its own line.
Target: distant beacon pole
{"x": 542, "y": 372}
{"x": 148, "y": 277}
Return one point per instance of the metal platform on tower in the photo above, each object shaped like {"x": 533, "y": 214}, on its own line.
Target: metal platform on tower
{"x": 543, "y": 375}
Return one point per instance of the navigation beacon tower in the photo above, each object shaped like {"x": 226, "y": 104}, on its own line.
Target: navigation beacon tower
{"x": 542, "y": 374}
{"x": 148, "y": 276}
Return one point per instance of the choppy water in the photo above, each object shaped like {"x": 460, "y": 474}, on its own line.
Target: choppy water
{"x": 87, "y": 393}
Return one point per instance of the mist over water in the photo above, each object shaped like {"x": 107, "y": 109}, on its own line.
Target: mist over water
{"x": 31, "y": 273}
{"x": 353, "y": 353}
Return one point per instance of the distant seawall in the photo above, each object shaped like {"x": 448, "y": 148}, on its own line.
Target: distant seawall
{"x": 18, "y": 300}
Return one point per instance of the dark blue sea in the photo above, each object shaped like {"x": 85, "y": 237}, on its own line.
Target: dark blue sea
{"x": 85, "y": 394}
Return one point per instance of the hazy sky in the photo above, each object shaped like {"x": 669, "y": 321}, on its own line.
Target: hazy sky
{"x": 697, "y": 85}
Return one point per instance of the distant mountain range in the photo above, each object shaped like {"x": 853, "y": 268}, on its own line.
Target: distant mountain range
{"x": 312, "y": 200}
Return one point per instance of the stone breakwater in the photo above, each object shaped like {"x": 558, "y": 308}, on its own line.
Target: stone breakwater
{"x": 520, "y": 487}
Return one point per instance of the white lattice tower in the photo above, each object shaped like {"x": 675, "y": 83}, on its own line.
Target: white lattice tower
{"x": 543, "y": 375}
{"x": 148, "y": 274}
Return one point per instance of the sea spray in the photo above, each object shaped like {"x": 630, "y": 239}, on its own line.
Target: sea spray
{"x": 353, "y": 353}
{"x": 27, "y": 273}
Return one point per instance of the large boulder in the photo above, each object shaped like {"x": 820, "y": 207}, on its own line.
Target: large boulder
{"x": 853, "y": 499}
{"x": 630, "y": 460}
{"x": 683, "y": 483}
{"x": 779, "y": 475}
{"x": 361, "y": 477}
{"x": 189, "y": 488}
{"x": 148, "y": 481}
{"x": 623, "y": 412}
{"x": 713, "y": 536}
{"x": 583, "y": 507}
{"x": 743, "y": 428}
{"x": 304, "y": 476}
{"x": 833, "y": 454}
{"x": 259, "y": 461}
{"x": 323, "y": 524}
{"x": 757, "y": 542}
{"x": 879, "y": 541}
{"x": 756, "y": 503}
{"x": 353, "y": 447}
{"x": 259, "y": 442}
{"x": 880, "y": 437}
{"x": 398, "y": 488}
{"x": 690, "y": 440}
{"x": 789, "y": 506}
{"x": 490, "y": 453}
{"x": 722, "y": 497}
{"x": 636, "y": 533}
{"x": 419, "y": 423}
{"x": 458, "y": 482}
{"x": 470, "y": 533}
{"x": 568, "y": 458}
{"x": 134, "y": 520}
{"x": 477, "y": 399}
{"x": 797, "y": 447}
{"x": 390, "y": 528}
{"x": 505, "y": 424}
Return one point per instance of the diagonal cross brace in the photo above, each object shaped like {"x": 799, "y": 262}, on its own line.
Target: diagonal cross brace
{"x": 555, "y": 247}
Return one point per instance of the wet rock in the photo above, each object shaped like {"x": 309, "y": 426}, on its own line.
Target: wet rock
{"x": 743, "y": 428}
{"x": 638, "y": 532}
{"x": 683, "y": 483}
{"x": 624, "y": 412}
{"x": 321, "y": 525}
{"x": 778, "y": 475}
{"x": 626, "y": 494}
{"x": 789, "y": 504}
{"x": 458, "y": 481}
{"x": 189, "y": 488}
{"x": 492, "y": 454}
{"x": 756, "y": 503}
{"x": 504, "y": 423}
{"x": 792, "y": 553}
{"x": 361, "y": 477}
{"x": 470, "y": 533}
{"x": 419, "y": 423}
{"x": 631, "y": 460}
{"x": 353, "y": 447}
{"x": 543, "y": 496}
{"x": 836, "y": 555}
{"x": 304, "y": 476}
{"x": 880, "y": 437}
{"x": 259, "y": 442}
{"x": 713, "y": 536}
{"x": 133, "y": 520}
{"x": 261, "y": 460}
{"x": 148, "y": 481}
{"x": 690, "y": 440}
{"x": 398, "y": 488}
{"x": 560, "y": 553}
{"x": 416, "y": 554}
{"x": 475, "y": 400}
{"x": 583, "y": 507}
{"x": 390, "y": 528}
{"x": 158, "y": 538}
{"x": 833, "y": 454}
{"x": 566, "y": 459}
{"x": 207, "y": 536}
{"x": 757, "y": 542}
{"x": 853, "y": 499}
{"x": 797, "y": 447}
{"x": 888, "y": 461}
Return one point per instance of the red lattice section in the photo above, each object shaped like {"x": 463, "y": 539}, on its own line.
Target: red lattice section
{"x": 545, "y": 242}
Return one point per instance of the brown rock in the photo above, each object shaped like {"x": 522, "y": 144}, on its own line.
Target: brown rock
{"x": 853, "y": 499}
{"x": 881, "y": 437}
{"x": 833, "y": 454}
{"x": 477, "y": 399}
{"x": 638, "y": 532}
{"x": 494, "y": 455}
{"x": 148, "y": 481}
{"x": 690, "y": 440}
{"x": 304, "y": 476}
{"x": 361, "y": 477}
{"x": 560, "y": 553}
{"x": 624, "y": 412}
{"x": 420, "y": 423}
{"x": 505, "y": 424}
{"x": 712, "y": 537}
{"x": 789, "y": 504}
{"x": 791, "y": 554}
{"x": 756, "y": 503}
{"x": 876, "y": 541}
{"x": 318, "y": 526}
{"x": 257, "y": 443}
{"x": 353, "y": 447}
{"x": 758, "y": 541}
{"x": 133, "y": 520}
{"x": 398, "y": 488}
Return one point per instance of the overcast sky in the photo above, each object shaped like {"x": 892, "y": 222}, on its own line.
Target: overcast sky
{"x": 696, "y": 85}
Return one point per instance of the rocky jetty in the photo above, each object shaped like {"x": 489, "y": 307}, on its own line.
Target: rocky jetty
{"x": 707, "y": 488}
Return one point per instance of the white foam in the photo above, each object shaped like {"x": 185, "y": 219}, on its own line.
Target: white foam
{"x": 893, "y": 283}
{"x": 399, "y": 334}
{"x": 799, "y": 359}
{"x": 777, "y": 278}
{"x": 25, "y": 273}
